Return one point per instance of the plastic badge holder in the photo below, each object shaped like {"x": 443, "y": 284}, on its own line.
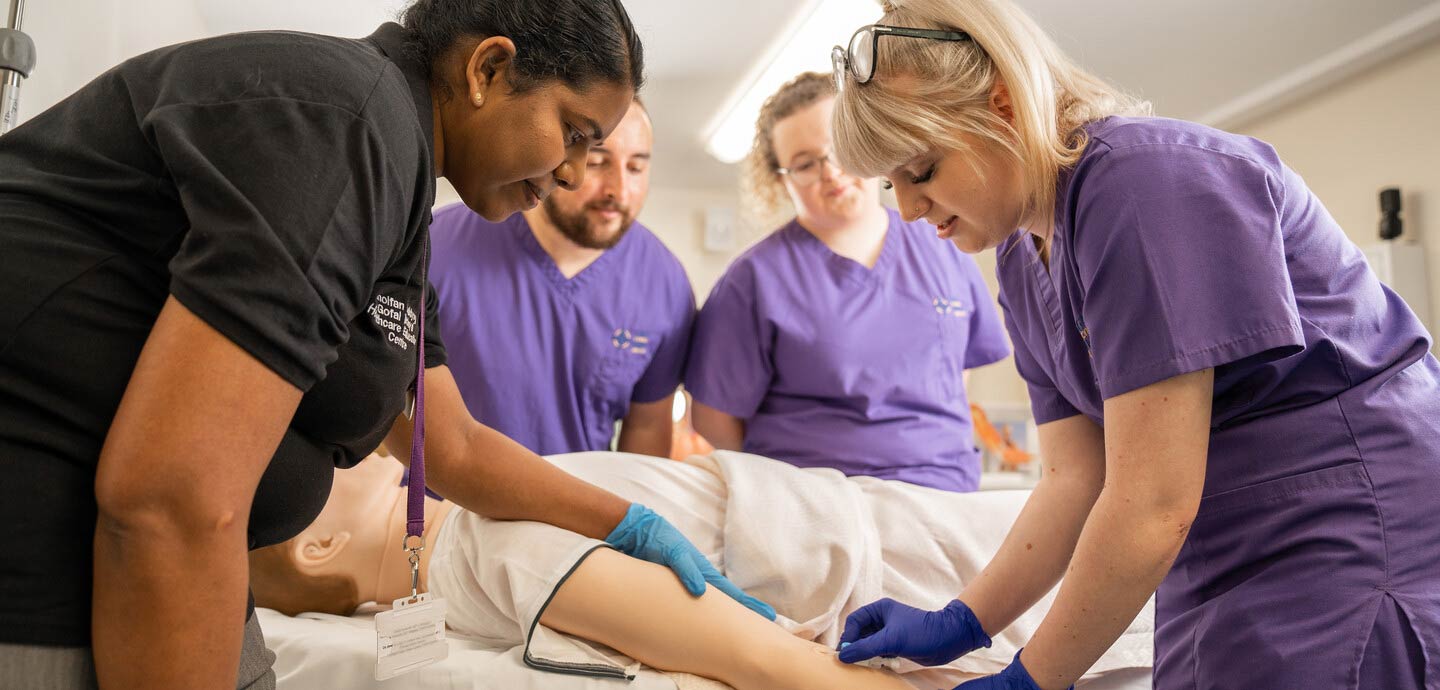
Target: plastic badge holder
{"x": 410, "y": 636}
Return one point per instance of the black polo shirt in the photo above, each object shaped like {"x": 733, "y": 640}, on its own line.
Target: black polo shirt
{"x": 279, "y": 186}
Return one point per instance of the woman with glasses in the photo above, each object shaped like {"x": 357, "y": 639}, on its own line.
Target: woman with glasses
{"x": 842, "y": 339}
{"x": 1232, "y": 408}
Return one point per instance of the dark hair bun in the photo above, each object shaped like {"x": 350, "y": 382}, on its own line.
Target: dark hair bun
{"x": 576, "y": 42}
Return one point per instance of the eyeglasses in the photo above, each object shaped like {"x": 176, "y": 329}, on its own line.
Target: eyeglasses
{"x": 859, "y": 59}
{"x": 805, "y": 170}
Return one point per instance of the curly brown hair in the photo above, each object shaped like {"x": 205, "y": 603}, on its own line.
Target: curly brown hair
{"x": 760, "y": 180}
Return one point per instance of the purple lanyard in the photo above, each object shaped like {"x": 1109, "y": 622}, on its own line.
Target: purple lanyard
{"x": 415, "y": 514}
{"x": 415, "y": 508}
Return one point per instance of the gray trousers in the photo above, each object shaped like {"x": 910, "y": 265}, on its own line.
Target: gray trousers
{"x": 33, "y": 667}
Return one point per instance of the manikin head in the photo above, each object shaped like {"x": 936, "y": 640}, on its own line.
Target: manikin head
{"x": 349, "y": 555}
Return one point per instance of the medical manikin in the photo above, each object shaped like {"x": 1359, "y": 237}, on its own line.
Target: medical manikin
{"x": 497, "y": 577}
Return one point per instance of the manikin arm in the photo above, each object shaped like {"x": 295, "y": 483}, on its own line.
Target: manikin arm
{"x": 640, "y": 609}
{"x": 1156, "y": 441}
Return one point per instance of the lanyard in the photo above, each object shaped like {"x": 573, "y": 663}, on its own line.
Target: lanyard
{"x": 414, "y": 541}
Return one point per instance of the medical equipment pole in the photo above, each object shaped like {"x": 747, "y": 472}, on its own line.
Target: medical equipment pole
{"x": 17, "y": 59}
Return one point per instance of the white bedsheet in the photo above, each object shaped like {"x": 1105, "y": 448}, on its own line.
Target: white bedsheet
{"x": 320, "y": 652}
{"x": 317, "y": 651}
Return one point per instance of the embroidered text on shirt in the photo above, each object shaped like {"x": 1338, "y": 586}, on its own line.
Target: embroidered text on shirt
{"x": 396, "y": 318}
{"x": 634, "y": 343}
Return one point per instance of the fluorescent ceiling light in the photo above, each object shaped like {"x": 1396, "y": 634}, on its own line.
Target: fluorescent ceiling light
{"x": 819, "y": 26}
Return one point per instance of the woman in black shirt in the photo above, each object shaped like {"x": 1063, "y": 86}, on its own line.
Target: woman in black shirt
{"x": 211, "y": 263}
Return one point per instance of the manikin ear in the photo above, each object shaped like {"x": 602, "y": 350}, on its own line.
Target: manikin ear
{"x": 488, "y": 68}
{"x": 1000, "y": 103}
{"x": 313, "y": 552}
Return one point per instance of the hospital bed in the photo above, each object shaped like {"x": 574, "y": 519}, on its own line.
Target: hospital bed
{"x": 875, "y": 537}
{"x": 315, "y": 651}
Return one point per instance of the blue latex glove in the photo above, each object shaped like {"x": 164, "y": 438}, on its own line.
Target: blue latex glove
{"x": 647, "y": 536}
{"x": 1014, "y": 677}
{"x": 929, "y": 638}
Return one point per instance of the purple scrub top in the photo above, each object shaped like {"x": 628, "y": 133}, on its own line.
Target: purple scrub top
{"x": 832, "y": 364}
{"x": 1314, "y": 561}
{"x": 550, "y": 362}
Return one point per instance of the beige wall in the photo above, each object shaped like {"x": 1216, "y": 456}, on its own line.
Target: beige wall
{"x": 677, "y": 216}
{"x": 1378, "y": 129}
{"x": 77, "y": 40}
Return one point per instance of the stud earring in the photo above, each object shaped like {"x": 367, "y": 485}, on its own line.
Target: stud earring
{"x": 479, "y": 99}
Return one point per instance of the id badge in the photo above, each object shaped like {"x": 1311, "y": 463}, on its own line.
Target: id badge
{"x": 410, "y": 636}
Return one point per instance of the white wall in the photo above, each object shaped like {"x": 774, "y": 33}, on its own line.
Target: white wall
{"x": 677, "y": 216}
{"x": 77, "y": 40}
{"x": 1378, "y": 129}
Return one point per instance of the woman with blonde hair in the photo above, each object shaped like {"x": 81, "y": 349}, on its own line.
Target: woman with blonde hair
{"x": 841, "y": 339}
{"x": 1232, "y": 408}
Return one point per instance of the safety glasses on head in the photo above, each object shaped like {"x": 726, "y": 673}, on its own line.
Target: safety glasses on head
{"x": 859, "y": 58}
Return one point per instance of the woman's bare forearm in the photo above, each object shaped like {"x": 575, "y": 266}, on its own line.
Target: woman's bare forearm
{"x": 720, "y": 429}
{"x": 1156, "y": 442}
{"x": 511, "y": 483}
{"x": 1042, "y": 540}
{"x": 1034, "y": 554}
{"x": 489, "y": 474}
{"x": 647, "y": 428}
{"x": 1122, "y": 556}
{"x": 183, "y": 584}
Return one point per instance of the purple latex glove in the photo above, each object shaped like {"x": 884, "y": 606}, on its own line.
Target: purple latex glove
{"x": 1014, "y": 677}
{"x": 929, "y": 638}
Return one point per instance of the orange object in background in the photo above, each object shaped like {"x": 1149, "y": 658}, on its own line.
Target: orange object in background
{"x": 686, "y": 442}
{"x": 998, "y": 441}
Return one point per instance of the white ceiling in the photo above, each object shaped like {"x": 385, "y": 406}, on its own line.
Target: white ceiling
{"x": 1215, "y": 60}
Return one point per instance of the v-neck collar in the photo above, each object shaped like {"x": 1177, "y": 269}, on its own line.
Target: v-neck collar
{"x": 1043, "y": 277}
{"x": 846, "y": 266}
{"x": 547, "y": 266}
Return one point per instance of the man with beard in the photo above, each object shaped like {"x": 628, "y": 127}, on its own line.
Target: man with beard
{"x": 568, "y": 317}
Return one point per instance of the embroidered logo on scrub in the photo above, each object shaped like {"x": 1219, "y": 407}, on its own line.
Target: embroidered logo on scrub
{"x": 1084, "y": 335}
{"x": 949, "y": 307}
{"x": 633, "y": 343}
{"x": 395, "y": 319}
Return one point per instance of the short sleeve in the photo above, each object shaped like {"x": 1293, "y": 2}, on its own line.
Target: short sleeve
{"x": 1180, "y": 255}
{"x": 1046, "y": 402}
{"x": 667, "y": 367}
{"x": 987, "y": 335}
{"x": 435, "y": 355}
{"x": 294, "y": 210}
{"x": 731, "y": 364}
